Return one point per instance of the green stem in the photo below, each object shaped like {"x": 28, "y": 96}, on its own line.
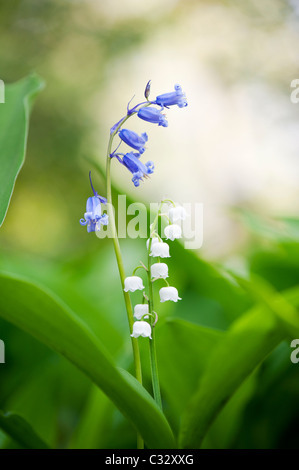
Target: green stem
{"x": 152, "y": 342}
{"x": 129, "y": 309}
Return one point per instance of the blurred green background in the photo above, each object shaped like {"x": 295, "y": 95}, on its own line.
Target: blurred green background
{"x": 235, "y": 148}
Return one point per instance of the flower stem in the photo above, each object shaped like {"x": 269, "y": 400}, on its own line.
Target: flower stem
{"x": 152, "y": 342}
{"x": 135, "y": 346}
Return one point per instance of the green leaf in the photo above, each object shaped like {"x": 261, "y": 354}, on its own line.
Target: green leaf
{"x": 248, "y": 342}
{"x": 263, "y": 292}
{"x": 14, "y": 124}
{"x": 280, "y": 229}
{"x": 21, "y": 431}
{"x": 38, "y": 312}
{"x": 191, "y": 345}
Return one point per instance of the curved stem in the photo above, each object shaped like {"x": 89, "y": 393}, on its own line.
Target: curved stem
{"x": 152, "y": 343}
{"x": 129, "y": 309}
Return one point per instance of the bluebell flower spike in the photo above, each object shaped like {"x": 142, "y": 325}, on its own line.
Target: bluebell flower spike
{"x": 138, "y": 169}
{"x": 93, "y": 216}
{"x": 153, "y": 115}
{"x": 134, "y": 140}
{"x": 175, "y": 97}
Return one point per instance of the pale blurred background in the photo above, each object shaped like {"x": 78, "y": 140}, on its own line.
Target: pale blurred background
{"x": 236, "y": 144}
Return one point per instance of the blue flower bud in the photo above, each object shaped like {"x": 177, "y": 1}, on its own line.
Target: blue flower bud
{"x": 154, "y": 115}
{"x": 137, "y": 168}
{"x": 132, "y": 139}
{"x": 175, "y": 97}
{"x": 147, "y": 89}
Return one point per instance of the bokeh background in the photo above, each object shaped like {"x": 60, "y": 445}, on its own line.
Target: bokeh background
{"x": 234, "y": 149}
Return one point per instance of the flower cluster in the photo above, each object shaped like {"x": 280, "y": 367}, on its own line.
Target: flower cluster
{"x": 147, "y": 112}
{"x": 158, "y": 270}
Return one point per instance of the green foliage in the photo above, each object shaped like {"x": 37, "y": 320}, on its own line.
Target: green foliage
{"x": 46, "y": 318}
{"x": 16, "y": 427}
{"x": 14, "y": 124}
{"x": 223, "y": 352}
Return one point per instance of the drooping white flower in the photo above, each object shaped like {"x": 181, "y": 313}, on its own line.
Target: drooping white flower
{"x": 169, "y": 293}
{"x": 160, "y": 249}
{"x": 141, "y": 328}
{"x": 140, "y": 310}
{"x": 177, "y": 213}
{"x": 133, "y": 283}
{"x": 154, "y": 240}
{"x": 159, "y": 270}
{"x": 172, "y": 232}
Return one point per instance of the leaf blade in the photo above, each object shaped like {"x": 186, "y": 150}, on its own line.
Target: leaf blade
{"x": 14, "y": 125}
{"x": 41, "y": 314}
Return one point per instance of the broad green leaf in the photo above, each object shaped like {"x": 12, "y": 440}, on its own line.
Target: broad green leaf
{"x": 21, "y": 431}
{"x": 278, "y": 229}
{"x": 14, "y": 124}
{"x": 191, "y": 346}
{"x": 38, "y": 312}
{"x": 95, "y": 422}
{"x": 263, "y": 292}
{"x": 248, "y": 342}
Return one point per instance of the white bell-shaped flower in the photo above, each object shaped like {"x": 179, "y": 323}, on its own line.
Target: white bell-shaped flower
{"x": 160, "y": 250}
{"x": 177, "y": 213}
{"x": 154, "y": 240}
{"x": 133, "y": 283}
{"x": 141, "y": 328}
{"x": 140, "y": 310}
{"x": 172, "y": 232}
{"x": 169, "y": 293}
{"x": 159, "y": 270}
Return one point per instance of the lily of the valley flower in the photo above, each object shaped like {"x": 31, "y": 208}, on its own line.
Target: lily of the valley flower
{"x": 175, "y": 97}
{"x": 177, "y": 213}
{"x": 136, "y": 167}
{"x": 169, "y": 293}
{"x": 172, "y": 232}
{"x": 153, "y": 115}
{"x": 154, "y": 240}
{"x": 134, "y": 140}
{"x": 159, "y": 270}
{"x": 133, "y": 283}
{"x": 140, "y": 310}
{"x": 160, "y": 249}
{"x": 141, "y": 328}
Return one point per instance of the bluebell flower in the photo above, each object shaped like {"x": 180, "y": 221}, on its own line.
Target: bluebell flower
{"x": 132, "y": 139}
{"x": 175, "y": 97}
{"x": 137, "y": 168}
{"x": 93, "y": 216}
{"x": 154, "y": 115}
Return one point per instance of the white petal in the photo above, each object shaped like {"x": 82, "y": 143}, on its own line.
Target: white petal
{"x": 169, "y": 293}
{"x": 141, "y": 328}
{"x": 177, "y": 213}
{"x": 133, "y": 283}
{"x": 173, "y": 231}
{"x": 159, "y": 270}
{"x": 140, "y": 310}
{"x": 154, "y": 240}
{"x": 160, "y": 249}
